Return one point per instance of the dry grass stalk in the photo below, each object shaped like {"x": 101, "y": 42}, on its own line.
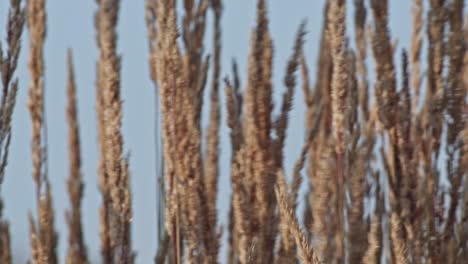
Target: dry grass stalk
{"x": 196, "y": 67}
{"x": 375, "y": 245}
{"x": 105, "y": 212}
{"x": 287, "y": 250}
{"x": 38, "y": 254}
{"x": 76, "y": 248}
{"x": 306, "y": 90}
{"x": 360, "y": 15}
{"x": 437, "y": 19}
{"x": 150, "y": 17}
{"x": 281, "y": 123}
{"x": 322, "y": 88}
{"x": 8, "y": 64}
{"x": 337, "y": 30}
{"x": 287, "y": 247}
{"x": 234, "y": 107}
{"x": 462, "y": 226}
{"x": 166, "y": 43}
{"x": 456, "y": 96}
{"x": 45, "y": 238}
{"x": 317, "y": 222}
{"x": 382, "y": 49}
{"x": 306, "y": 253}
{"x": 36, "y": 25}
{"x": 234, "y": 112}
{"x": 241, "y": 208}
{"x": 47, "y": 233}
{"x": 373, "y": 253}
{"x": 115, "y": 185}
{"x": 323, "y": 200}
{"x": 416, "y": 48}
{"x": 398, "y": 244}
{"x": 6, "y": 256}
{"x": 404, "y": 140}
{"x": 211, "y": 170}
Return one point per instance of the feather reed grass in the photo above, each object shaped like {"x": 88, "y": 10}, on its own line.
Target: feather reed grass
{"x": 116, "y": 212}
{"x": 42, "y": 234}
{"x": 8, "y": 65}
{"x": 76, "y": 248}
{"x": 387, "y": 174}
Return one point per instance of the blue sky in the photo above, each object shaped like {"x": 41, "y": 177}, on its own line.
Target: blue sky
{"x": 70, "y": 23}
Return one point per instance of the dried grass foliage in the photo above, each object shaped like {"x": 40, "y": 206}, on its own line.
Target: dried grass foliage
{"x": 376, "y": 189}
{"x": 8, "y": 65}
{"x": 76, "y": 252}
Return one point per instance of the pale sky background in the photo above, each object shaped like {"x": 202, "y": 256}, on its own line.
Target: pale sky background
{"x": 70, "y": 23}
